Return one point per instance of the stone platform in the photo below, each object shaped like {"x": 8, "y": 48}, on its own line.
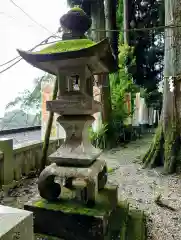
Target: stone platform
{"x": 70, "y": 220}
{"x": 15, "y": 224}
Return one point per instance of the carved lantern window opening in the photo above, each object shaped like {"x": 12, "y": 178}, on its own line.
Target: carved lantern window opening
{"x": 73, "y": 83}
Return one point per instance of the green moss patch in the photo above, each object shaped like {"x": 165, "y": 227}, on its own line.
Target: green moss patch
{"x": 78, "y": 9}
{"x": 123, "y": 223}
{"x": 124, "y": 211}
{"x": 136, "y": 226}
{"x": 69, "y": 205}
{"x": 67, "y": 46}
{"x": 45, "y": 237}
{"x": 128, "y": 224}
{"x": 110, "y": 170}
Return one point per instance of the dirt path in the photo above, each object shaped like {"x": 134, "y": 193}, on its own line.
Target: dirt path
{"x": 139, "y": 186}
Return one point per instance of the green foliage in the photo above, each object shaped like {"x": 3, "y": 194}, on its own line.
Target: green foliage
{"x": 148, "y": 44}
{"x": 153, "y": 99}
{"x": 122, "y": 83}
{"x": 119, "y": 17}
{"x": 117, "y": 98}
{"x": 98, "y": 138}
{"x": 119, "y": 14}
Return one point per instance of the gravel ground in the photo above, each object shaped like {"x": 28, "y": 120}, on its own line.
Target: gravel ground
{"x": 139, "y": 186}
{"x": 142, "y": 186}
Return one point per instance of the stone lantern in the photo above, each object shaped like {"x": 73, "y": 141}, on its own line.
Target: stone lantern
{"x": 74, "y": 60}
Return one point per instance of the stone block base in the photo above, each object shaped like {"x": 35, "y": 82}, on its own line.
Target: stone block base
{"x": 15, "y": 224}
{"x": 70, "y": 220}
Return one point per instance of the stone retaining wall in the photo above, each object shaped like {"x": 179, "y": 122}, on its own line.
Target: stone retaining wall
{"x": 21, "y": 160}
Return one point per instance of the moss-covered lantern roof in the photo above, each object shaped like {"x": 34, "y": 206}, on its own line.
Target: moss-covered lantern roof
{"x": 67, "y": 46}
{"x": 97, "y": 56}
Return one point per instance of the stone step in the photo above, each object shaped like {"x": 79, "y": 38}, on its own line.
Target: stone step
{"x": 15, "y": 224}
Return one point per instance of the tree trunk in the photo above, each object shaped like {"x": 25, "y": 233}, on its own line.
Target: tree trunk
{"x": 48, "y": 130}
{"x": 166, "y": 146}
{"x": 126, "y": 21}
{"x": 108, "y": 19}
{"x": 98, "y": 22}
{"x": 110, "y": 7}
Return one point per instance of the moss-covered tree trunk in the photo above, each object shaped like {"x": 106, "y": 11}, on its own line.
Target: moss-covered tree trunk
{"x": 166, "y": 146}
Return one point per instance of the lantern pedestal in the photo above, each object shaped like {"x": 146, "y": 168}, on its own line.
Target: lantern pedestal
{"x": 75, "y": 164}
{"x": 68, "y": 219}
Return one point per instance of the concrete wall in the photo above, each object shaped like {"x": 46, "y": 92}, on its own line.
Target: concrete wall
{"x": 21, "y": 160}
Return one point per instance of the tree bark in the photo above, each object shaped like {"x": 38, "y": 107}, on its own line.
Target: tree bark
{"x": 110, "y": 7}
{"x": 98, "y": 22}
{"x": 48, "y": 130}
{"x": 126, "y": 21}
{"x": 108, "y": 18}
{"x": 166, "y": 146}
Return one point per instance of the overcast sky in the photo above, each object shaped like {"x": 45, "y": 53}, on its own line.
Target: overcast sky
{"x": 18, "y": 31}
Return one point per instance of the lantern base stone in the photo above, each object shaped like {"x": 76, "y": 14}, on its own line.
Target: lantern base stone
{"x": 69, "y": 219}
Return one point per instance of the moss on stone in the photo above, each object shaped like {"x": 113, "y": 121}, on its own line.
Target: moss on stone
{"x": 45, "y": 237}
{"x": 136, "y": 226}
{"x": 123, "y": 222}
{"x": 67, "y": 46}
{"x": 68, "y": 204}
{"x": 128, "y": 224}
{"x": 78, "y": 9}
{"x": 124, "y": 211}
{"x": 71, "y": 207}
{"x": 110, "y": 170}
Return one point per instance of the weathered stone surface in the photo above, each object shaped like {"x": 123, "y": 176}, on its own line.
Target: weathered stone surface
{"x": 15, "y": 224}
{"x": 70, "y": 220}
{"x": 89, "y": 175}
{"x": 77, "y": 150}
{"x": 76, "y": 158}
{"x": 74, "y": 103}
{"x": 73, "y": 156}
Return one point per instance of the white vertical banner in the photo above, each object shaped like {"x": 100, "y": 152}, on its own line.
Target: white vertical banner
{"x": 135, "y": 120}
{"x": 97, "y": 124}
{"x": 46, "y": 94}
{"x": 145, "y": 113}
{"x": 156, "y": 116}
{"x": 141, "y": 111}
{"x": 151, "y": 116}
